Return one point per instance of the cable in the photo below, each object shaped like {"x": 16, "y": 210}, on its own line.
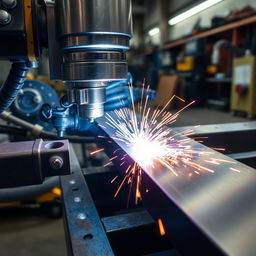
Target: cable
{"x": 28, "y": 192}
{"x": 36, "y": 130}
{"x": 74, "y": 139}
{"x": 13, "y": 84}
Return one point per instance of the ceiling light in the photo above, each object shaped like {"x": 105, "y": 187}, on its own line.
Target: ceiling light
{"x": 198, "y": 8}
{"x": 153, "y": 31}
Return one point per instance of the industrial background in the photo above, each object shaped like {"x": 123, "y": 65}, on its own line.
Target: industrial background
{"x": 201, "y": 51}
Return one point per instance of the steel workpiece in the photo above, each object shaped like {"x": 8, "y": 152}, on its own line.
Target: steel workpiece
{"x": 206, "y": 214}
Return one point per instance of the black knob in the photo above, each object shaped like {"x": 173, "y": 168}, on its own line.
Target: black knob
{"x": 9, "y": 4}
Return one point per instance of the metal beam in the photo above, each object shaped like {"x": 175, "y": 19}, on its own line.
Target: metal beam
{"x": 85, "y": 234}
{"x": 219, "y": 128}
{"x": 235, "y": 137}
{"x": 127, "y": 221}
{"x": 207, "y": 214}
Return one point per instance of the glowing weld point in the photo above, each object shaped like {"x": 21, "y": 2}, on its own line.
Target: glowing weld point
{"x": 161, "y": 227}
{"x": 96, "y": 151}
{"x": 145, "y": 150}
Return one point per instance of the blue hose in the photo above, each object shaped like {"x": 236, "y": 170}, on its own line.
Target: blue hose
{"x": 12, "y": 85}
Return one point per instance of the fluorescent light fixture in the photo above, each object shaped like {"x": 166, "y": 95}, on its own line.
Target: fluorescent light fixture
{"x": 198, "y": 8}
{"x": 154, "y": 31}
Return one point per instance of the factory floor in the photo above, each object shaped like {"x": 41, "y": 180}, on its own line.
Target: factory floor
{"x": 196, "y": 116}
{"x": 30, "y": 232}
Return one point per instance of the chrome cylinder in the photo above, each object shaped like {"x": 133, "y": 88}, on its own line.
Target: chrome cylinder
{"x": 93, "y": 37}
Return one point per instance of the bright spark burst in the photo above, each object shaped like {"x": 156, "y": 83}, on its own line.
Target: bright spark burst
{"x": 152, "y": 143}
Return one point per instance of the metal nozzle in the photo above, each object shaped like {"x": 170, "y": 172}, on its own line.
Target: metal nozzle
{"x": 90, "y": 98}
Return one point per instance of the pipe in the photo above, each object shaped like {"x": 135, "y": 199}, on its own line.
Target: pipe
{"x": 28, "y": 192}
{"x": 38, "y": 131}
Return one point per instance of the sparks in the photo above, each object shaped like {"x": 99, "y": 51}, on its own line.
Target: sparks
{"x": 96, "y": 151}
{"x": 161, "y": 227}
{"x": 152, "y": 143}
{"x": 233, "y": 169}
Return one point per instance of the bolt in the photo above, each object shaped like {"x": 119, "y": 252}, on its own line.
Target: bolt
{"x": 36, "y": 99}
{"x": 72, "y": 182}
{"x": 56, "y": 162}
{"x": 81, "y": 216}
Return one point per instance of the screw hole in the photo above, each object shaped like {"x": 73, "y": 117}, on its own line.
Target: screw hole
{"x": 88, "y": 237}
{"x": 75, "y": 189}
{"x": 54, "y": 145}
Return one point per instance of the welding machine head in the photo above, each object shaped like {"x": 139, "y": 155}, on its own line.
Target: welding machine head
{"x": 92, "y": 38}
{"x": 86, "y": 41}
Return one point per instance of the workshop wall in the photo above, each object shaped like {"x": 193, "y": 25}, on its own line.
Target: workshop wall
{"x": 221, "y": 9}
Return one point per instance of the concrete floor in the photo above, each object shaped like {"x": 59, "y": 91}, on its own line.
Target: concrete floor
{"x": 29, "y": 232}
{"x": 32, "y": 233}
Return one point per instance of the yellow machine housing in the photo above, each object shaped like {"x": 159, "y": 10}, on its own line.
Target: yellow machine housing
{"x": 243, "y": 92}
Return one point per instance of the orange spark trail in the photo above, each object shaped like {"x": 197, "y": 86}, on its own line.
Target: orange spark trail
{"x": 161, "y": 227}
{"x": 113, "y": 179}
{"x": 96, "y": 151}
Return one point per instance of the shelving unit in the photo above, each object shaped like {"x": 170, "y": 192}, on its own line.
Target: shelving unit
{"x": 214, "y": 31}
{"x": 230, "y": 27}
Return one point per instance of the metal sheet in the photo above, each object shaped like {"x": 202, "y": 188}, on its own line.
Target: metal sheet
{"x": 220, "y": 206}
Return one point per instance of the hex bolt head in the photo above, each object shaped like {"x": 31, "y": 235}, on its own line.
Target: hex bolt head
{"x": 56, "y": 162}
{"x": 5, "y": 17}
